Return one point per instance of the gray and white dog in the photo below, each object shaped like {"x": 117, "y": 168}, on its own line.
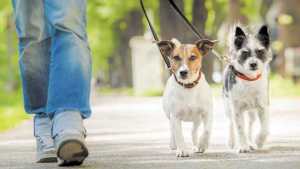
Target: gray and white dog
{"x": 246, "y": 87}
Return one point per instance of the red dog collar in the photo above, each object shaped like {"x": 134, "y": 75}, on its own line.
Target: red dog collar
{"x": 244, "y": 77}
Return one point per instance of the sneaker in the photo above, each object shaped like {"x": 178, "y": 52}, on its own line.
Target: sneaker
{"x": 69, "y": 136}
{"x": 45, "y": 149}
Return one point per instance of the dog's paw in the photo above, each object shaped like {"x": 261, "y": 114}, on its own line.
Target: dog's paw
{"x": 231, "y": 144}
{"x": 182, "y": 153}
{"x": 245, "y": 149}
{"x": 260, "y": 140}
{"x": 252, "y": 147}
{"x": 196, "y": 149}
{"x": 173, "y": 147}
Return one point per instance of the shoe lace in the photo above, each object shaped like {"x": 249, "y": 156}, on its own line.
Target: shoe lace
{"x": 45, "y": 141}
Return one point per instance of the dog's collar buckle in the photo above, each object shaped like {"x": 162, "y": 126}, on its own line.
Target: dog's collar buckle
{"x": 189, "y": 85}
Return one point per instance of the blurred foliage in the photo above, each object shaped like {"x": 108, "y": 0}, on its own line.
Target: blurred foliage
{"x": 103, "y": 17}
{"x": 283, "y": 87}
{"x": 217, "y": 13}
{"x": 11, "y": 109}
{"x": 107, "y": 91}
{"x": 251, "y": 9}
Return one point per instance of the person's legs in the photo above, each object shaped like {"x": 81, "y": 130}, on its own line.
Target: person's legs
{"x": 70, "y": 68}
{"x": 34, "y": 51}
{"x": 70, "y": 76}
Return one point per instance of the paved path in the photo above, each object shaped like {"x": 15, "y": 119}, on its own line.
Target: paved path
{"x": 133, "y": 133}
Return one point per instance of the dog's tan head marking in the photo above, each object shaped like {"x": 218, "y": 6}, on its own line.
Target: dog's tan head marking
{"x": 186, "y": 59}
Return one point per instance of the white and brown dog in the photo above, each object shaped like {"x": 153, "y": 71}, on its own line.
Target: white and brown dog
{"x": 187, "y": 96}
{"x": 246, "y": 87}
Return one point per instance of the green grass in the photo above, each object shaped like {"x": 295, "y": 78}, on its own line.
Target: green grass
{"x": 104, "y": 91}
{"x": 11, "y": 116}
{"x": 11, "y": 110}
{"x": 283, "y": 87}
{"x": 153, "y": 93}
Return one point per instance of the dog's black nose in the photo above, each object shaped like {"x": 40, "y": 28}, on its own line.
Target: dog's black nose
{"x": 253, "y": 66}
{"x": 183, "y": 73}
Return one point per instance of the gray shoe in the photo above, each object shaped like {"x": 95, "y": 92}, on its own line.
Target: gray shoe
{"x": 69, "y": 136}
{"x": 45, "y": 150}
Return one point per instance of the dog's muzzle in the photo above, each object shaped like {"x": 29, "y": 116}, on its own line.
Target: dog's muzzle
{"x": 183, "y": 74}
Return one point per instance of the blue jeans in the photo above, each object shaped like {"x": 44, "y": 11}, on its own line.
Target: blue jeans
{"x": 55, "y": 59}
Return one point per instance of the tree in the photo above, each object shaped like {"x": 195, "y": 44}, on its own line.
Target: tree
{"x": 235, "y": 12}
{"x": 121, "y": 62}
{"x": 170, "y": 24}
{"x": 199, "y": 15}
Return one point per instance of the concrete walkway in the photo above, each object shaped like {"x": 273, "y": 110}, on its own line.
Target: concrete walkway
{"x": 133, "y": 133}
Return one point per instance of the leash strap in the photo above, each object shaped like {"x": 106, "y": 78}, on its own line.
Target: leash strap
{"x": 195, "y": 31}
{"x": 166, "y": 59}
{"x": 186, "y": 20}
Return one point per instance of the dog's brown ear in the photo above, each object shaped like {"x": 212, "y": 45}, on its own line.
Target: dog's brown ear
{"x": 205, "y": 45}
{"x": 166, "y": 47}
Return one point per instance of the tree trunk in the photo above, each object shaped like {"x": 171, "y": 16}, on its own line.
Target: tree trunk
{"x": 121, "y": 66}
{"x": 199, "y": 15}
{"x": 235, "y": 15}
{"x": 171, "y": 25}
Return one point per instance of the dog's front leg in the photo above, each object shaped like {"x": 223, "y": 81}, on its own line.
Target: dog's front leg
{"x": 172, "y": 136}
{"x": 176, "y": 125}
{"x": 250, "y": 129}
{"x": 240, "y": 125}
{"x": 195, "y": 137}
{"x": 232, "y": 136}
{"x": 207, "y": 125}
{"x": 263, "y": 115}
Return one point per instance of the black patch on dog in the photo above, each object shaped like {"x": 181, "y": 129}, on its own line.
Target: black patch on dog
{"x": 263, "y": 36}
{"x": 239, "y": 38}
{"x": 244, "y": 56}
{"x": 229, "y": 80}
{"x": 261, "y": 55}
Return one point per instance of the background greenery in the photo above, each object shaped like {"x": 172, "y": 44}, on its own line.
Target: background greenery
{"x": 110, "y": 26}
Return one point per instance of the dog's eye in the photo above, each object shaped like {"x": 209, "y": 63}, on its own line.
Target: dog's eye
{"x": 177, "y": 58}
{"x": 260, "y": 54}
{"x": 192, "y": 58}
{"x": 246, "y": 54}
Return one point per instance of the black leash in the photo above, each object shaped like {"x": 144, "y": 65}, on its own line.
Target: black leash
{"x": 195, "y": 31}
{"x": 166, "y": 59}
